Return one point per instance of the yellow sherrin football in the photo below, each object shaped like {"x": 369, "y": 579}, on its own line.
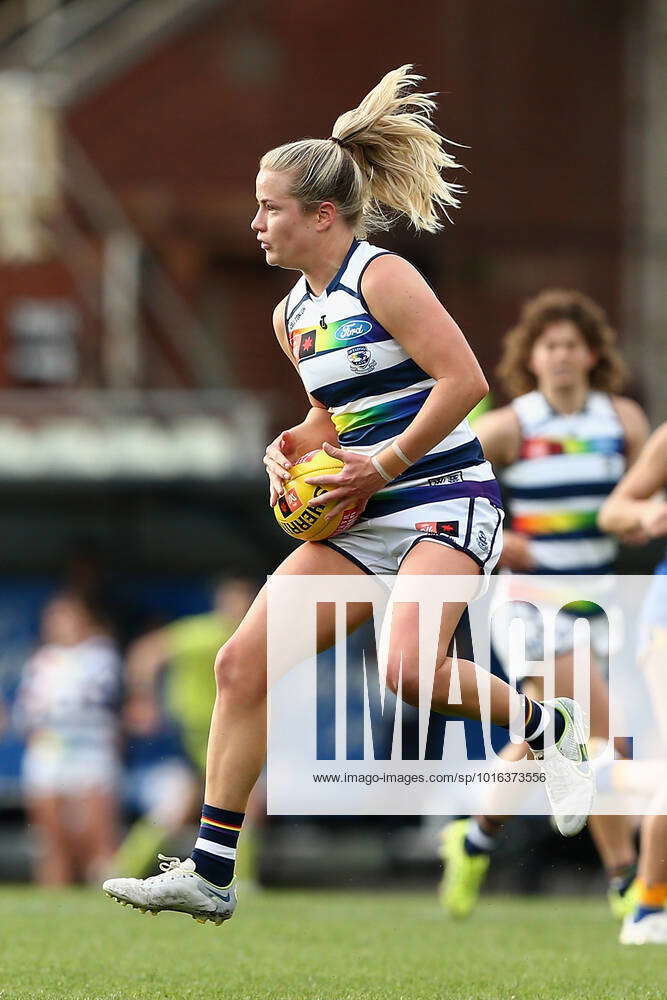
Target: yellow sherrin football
{"x": 304, "y": 523}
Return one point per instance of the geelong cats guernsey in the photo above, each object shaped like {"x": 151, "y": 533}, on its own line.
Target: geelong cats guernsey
{"x": 567, "y": 466}
{"x": 373, "y": 389}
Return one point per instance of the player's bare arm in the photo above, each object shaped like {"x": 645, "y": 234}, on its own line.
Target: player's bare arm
{"x": 145, "y": 660}
{"x": 638, "y": 502}
{"x": 403, "y": 303}
{"x": 635, "y": 426}
{"x": 500, "y": 436}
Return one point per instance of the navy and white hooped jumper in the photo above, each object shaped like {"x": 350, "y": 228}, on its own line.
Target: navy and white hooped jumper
{"x": 567, "y": 466}
{"x": 373, "y": 390}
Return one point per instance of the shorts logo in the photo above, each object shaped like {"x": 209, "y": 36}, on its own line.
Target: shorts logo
{"x": 353, "y": 330}
{"x": 450, "y": 477}
{"x": 482, "y": 541}
{"x": 360, "y": 360}
{"x": 439, "y": 527}
{"x": 307, "y": 345}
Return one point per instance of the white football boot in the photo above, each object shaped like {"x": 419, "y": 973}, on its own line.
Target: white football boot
{"x": 569, "y": 780}
{"x": 649, "y": 930}
{"x": 178, "y": 888}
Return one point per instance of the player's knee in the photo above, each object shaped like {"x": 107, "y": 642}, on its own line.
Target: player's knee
{"x": 236, "y": 677}
{"x": 223, "y": 667}
{"x": 410, "y": 686}
{"x": 444, "y": 673}
{"x": 403, "y": 680}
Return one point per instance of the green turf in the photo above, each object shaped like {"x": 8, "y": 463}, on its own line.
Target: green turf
{"x": 79, "y": 945}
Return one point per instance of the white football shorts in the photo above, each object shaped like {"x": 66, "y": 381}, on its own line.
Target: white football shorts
{"x": 378, "y": 545}
{"x": 51, "y": 767}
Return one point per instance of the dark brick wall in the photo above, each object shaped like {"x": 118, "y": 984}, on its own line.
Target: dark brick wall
{"x": 535, "y": 90}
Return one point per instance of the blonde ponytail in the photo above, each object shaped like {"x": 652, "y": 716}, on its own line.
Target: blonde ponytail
{"x": 383, "y": 160}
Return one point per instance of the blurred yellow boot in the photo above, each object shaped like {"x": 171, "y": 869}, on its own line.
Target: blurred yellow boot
{"x": 464, "y": 873}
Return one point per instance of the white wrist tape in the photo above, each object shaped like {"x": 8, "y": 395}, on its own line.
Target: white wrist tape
{"x": 400, "y": 453}
{"x": 380, "y": 470}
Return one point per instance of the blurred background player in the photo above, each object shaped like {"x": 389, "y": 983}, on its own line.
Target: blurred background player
{"x": 562, "y": 445}
{"x": 638, "y": 505}
{"x": 68, "y": 706}
{"x": 169, "y": 671}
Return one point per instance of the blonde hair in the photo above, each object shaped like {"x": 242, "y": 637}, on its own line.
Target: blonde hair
{"x": 554, "y": 305}
{"x": 383, "y": 160}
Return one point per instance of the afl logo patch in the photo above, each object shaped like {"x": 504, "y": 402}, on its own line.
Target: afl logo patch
{"x": 350, "y": 331}
{"x": 360, "y": 360}
{"x": 307, "y": 345}
{"x": 439, "y": 527}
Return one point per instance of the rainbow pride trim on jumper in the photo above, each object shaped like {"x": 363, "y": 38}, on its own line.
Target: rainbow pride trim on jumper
{"x": 560, "y": 522}
{"x": 406, "y": 406}
{"x": 538, "y": 447}
{"x": 350, "y": 332}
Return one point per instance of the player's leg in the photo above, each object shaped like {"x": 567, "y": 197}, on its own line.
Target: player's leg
{"x": 432, "y": 559}
{"x": 613, "y": 836}
{"x": 55, "y": 863}
{"x": 170, "y": 794}
{"x": 467, "y": 844}
{"x": 97, "y": 836}
{"x": 563, "y": 759}
{"x": 237, "y": 745}
{"x": 648, "y": 923}
{"x": 237, "y": 739}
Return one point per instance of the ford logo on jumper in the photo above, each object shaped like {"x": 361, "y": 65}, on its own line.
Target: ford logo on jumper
{"x": 353, "y": 330}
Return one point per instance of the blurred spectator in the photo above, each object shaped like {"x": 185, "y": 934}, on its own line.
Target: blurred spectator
{"x": 67, "y": 705}
{"x": 173, "y": 666}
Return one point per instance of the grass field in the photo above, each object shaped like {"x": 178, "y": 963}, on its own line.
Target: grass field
{"x": 79, "y": 945}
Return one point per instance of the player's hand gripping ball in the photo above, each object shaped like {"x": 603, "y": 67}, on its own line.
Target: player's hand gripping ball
{"x": 309, "y": 524}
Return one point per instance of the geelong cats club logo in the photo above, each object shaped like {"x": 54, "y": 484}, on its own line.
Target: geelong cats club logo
{"x": 360, "y": 360}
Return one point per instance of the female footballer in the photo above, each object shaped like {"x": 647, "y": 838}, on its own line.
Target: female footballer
{"x": 562, "y": 445}
{"x": 390, "y": 379}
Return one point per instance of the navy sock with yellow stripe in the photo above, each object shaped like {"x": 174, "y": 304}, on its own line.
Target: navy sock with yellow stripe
{"x": 214, "y": 853}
